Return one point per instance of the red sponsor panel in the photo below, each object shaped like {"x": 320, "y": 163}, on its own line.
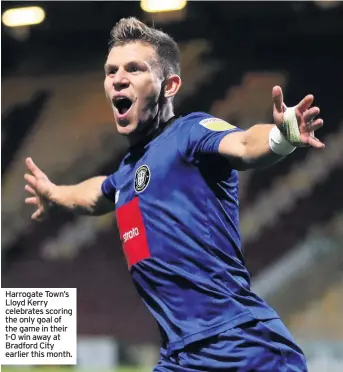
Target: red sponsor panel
{"x": 132, "y": 232}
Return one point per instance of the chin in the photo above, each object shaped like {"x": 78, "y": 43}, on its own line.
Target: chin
{"x": 127, "y": 129}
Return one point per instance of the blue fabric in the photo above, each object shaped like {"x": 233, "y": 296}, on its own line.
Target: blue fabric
{"x": 178, "y": 218}
{"x": 261, "y": 346}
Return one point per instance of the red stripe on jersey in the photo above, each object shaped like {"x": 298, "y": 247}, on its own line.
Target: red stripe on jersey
{"x": 132, "y": 232}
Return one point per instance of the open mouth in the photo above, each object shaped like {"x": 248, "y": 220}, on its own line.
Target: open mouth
{"x": 122, "y": 104}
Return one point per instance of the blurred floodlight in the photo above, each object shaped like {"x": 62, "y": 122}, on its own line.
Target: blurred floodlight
{"x": 18, "y": 17}
{"x": 327, "y": 4}
{"x": 154, "y": 6}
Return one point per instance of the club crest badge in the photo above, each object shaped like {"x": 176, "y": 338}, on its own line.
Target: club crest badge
{"x": 142, "y": 178}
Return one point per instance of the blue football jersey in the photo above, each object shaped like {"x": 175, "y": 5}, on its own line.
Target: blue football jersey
{"x": 176, "y": 202}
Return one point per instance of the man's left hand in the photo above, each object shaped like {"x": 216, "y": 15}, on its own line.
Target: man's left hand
{"x": 299, "y": 123}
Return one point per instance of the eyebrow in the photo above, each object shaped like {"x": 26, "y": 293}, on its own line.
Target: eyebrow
{"x": 147, "y": 63}
{"x": 108, "y": 65}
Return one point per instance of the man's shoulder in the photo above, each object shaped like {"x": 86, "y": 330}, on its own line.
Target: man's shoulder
{"x": 196, "y": 116}
{"x": 186, "y": 122}
{"x": 207, "y": 121}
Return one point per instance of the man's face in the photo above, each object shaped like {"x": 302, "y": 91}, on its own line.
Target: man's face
{"x": 132, "y": 85}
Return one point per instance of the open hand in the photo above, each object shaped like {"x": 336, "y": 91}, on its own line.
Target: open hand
{"x": 302, "y": 132}
{"x": 40, "y": 188}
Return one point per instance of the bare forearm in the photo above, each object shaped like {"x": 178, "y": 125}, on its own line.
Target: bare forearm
{"x": 257, "y": 151}
{"x": 84, "y": 198}
{"x": 265, "y": 144}
{"x": 252, "y": 149}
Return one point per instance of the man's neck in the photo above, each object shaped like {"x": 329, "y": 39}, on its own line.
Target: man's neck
{"x": 161, "y": 117}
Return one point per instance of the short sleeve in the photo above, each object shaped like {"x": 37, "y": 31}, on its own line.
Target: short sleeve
{"x": 201, "y": 133}
{"x": 108, "y": 188}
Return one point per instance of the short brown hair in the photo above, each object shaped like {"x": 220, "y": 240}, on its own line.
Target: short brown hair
{"x": 129, "y": 30}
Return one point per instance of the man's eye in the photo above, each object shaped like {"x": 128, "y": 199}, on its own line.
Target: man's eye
{"x": 133, "y": 69}
{"x": 111, "y": 72}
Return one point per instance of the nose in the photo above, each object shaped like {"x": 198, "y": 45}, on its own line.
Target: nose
{"x": 120, "y": 80}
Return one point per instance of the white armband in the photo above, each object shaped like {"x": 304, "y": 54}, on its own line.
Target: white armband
{"x": 278, "y": 142}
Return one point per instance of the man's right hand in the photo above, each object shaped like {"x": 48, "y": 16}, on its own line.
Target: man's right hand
{"x": 40, "y": 188}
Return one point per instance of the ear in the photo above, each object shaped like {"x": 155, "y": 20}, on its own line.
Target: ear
{"x": 172, "y": 84}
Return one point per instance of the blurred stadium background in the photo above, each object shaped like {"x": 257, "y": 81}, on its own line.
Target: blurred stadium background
{"x": 53, "y": 108}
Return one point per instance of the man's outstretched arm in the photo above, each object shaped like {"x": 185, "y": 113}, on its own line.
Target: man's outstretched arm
{"x": 85, "y": 198}
{"x": 265, "y": 144}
